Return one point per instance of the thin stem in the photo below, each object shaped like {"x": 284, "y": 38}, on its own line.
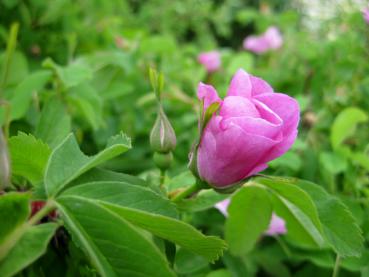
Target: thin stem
{"x": 9, "y": 54}
{"x": 49, "y": 206}
{"x": 336, "y": 266}
{"x": 187, "y": 192}
{"x": 162, "y": 178}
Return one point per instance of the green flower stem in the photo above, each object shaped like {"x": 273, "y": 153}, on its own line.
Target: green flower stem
{"x": 49, "y": 206}
{"x": 187, "y": 192}
{"x": 162, "y": 178}
{"x": 336, "y": 266}
{"x": 12, "y": 42}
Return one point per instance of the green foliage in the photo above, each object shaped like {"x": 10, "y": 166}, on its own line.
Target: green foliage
{"x": 345, "y": 124}
{"x": 242, "y": 231}
{"x": 30, "y": 247}
{"x": 127, "y": 251}
{"x": 340, "y": 228}
{"x": 29, "y": 157}
{"x": 54, "y": 123}
{"x": 58, "y": 174}
{"x": 299, "y": 211}
{"x": 14, "y": 210}
{"x": 82, "y": 67}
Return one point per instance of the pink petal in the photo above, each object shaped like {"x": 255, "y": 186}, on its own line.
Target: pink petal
{"x": 259, "y": 86}
{"x": 285, "y": 107}
{"x": 256, "y": 44}
{"x": 266, "y": 113}
{"x": 274, "y": 37}
{"x": 210, "y": 60}
{"x": 208, "y": 93}
{"x": 240, "y": 84}
{"x": 238, "y": 106}
{"x": 223, "y": 206}
{"x": 230, "y": 155}
{"x": 256, "y": 126}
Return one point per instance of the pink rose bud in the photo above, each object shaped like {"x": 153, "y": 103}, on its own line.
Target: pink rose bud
{"x": 277, "y": 225}
{"x": 366, "y": 15}
{"x": 253, "y": 126}
{"x": 271, "y": 39}
{"x": 4, "y": 162}
{"x": 210, "y": 60}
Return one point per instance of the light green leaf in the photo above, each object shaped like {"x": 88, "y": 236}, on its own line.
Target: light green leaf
{"x": 147, "y": 210}
{"x": 54, "y": 124}
{"x": 28, "y": 157}
{"x": 345, "y": 125}
{"x": 22, "y": 94}
{"x": 340, "y": 228}
{"x": 296, "y": 207}
{"x": 333, "y": 162}
{"x": 29, "y": 248}
{"x": 250, "y": 211}
{"x": 114, "y": 246}
{"x": 71, "y": 75}
{"x": 67, "y": 162}
{"x": 86, "y": 100}
{"x": 240, "y": 60}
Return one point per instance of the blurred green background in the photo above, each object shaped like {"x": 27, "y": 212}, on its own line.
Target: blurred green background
{"x": 83, "y": 66}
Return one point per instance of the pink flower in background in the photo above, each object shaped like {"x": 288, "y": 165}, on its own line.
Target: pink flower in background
{"x": 277, "y": 225}
{"x": 210, "y": 60}
{"x": 271, "y": 39}
{"x": 254, "y": 125}
{"x": 366, "y": 14}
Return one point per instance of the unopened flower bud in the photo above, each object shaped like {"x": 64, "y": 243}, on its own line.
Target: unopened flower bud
{"x": 162, "y": 137}
{"x": 4, "y": 162}
{"x": 163, "y": 160}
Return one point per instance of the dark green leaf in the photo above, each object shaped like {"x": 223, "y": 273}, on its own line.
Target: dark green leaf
{"x": 114, "y": 246}
{"x": 340, "y": 228}
{"x": 30, "y": 247}
{"x": 298, "y": 210}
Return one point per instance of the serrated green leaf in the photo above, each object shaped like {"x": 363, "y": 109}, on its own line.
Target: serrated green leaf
{"x": 345, "y": 124}
{"x": 249, "y": 212}
{"x": 54, "y": 123}
{"x": 124, "y": 194}
{"x": 67, "y": 162}
{"x": 340, "y": 227}
{"x": 296, "y": 207}
{"x": 30, "y": 247}
{"x": 147, "y": 210}
{"x": 114, "y": 246}
{"x": 28, "y": 156}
